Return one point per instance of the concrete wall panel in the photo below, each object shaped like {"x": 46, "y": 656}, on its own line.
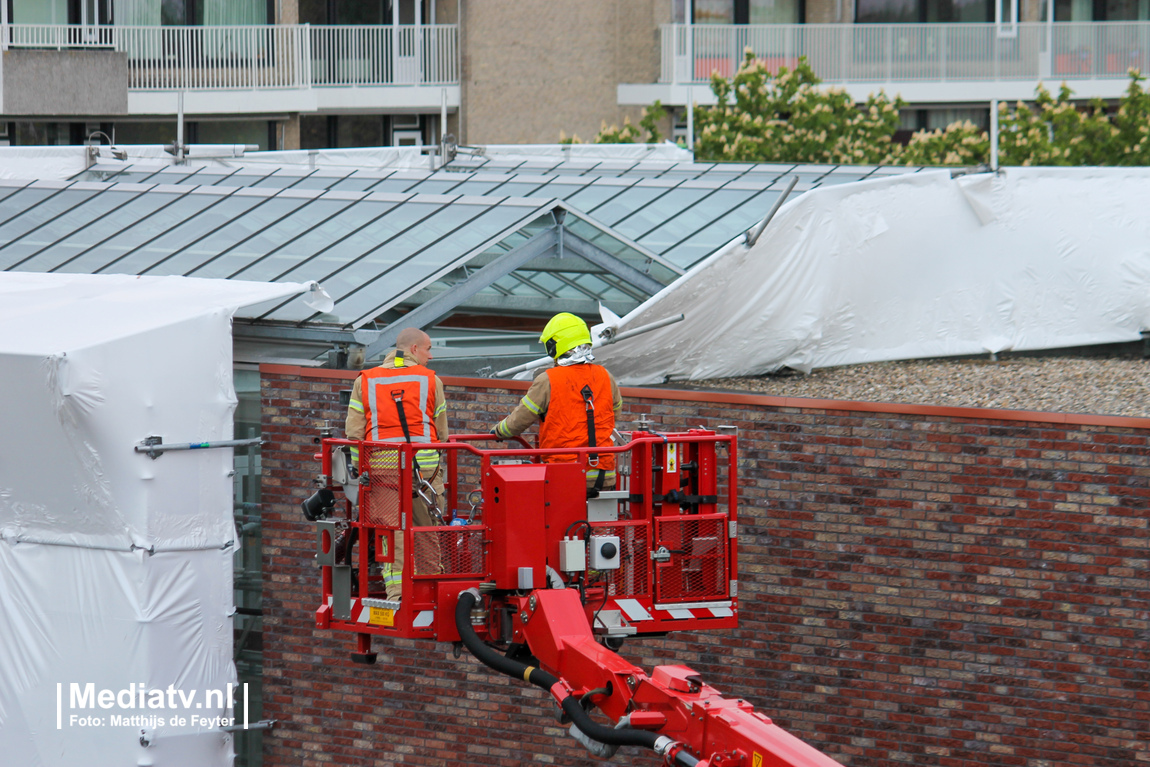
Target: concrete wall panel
{"x": 555, "y": 66}
{"x": 65, "y": 83}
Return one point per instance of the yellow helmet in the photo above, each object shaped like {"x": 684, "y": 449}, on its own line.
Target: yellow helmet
{"x": 563, "y": 333}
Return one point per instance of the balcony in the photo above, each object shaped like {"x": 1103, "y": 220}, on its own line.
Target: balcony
{"x": 260, "y": 69}
{"x": 925, "y": 63}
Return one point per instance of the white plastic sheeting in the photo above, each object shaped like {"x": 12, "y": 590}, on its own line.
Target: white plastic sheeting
{"x": 367, "y": 158}
{"x": 116, "y": 569}
{"x": 666, "y": 151}
{"x": 914, "y": 266}
{"x": 59, "y": 162}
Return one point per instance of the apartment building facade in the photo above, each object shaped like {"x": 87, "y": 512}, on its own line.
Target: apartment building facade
{"x": 287, "y": 74}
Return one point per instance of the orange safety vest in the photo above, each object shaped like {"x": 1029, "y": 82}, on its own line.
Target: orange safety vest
{"x": 415, "y": 386}
{"x": 565, "y": 424}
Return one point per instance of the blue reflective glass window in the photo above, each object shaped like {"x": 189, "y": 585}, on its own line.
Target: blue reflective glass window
{"x": 665, "y": 208}
{"x": 479, "y": 188}
{"x": 204, "y": 254}
{"x": 136, "y": 210}
{"x": 684, "y": 223}
{"x": 279, "y": 181}
{"x": 345, "y": 236}
{"x": 559, "y": 190}
{"x": 30, "y": 208}
{"x": 105, "y": 257}
{"x": 317, "y": 182}
{"x": 145, "y": 259}
{"x": 214, "y": 231}
{"x": 395, "y": 185}
{"x": 436, "y": 186}
{"x": 594, "y": 195}
{"x": 355, "y": 184}
{"x": 205, "y": 179}
{"x": 299, "y": 216}
{"x": 717, "y": 234}
{"x": 403, "y": 259}
{"x": 415, "y": 255}
{"x": 63, "y": 226}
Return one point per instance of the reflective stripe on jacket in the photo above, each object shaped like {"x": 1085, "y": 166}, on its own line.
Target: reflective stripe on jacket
{"x": 415, "y": 385}
{"x": 565, "y": 422}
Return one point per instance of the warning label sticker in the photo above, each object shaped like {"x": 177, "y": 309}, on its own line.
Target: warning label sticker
{"x": 381, "y": 617}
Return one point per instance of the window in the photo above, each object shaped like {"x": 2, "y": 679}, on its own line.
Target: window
{"x": 1102, "y": 10}
{"x": 180, "y": 13}
{"x": 924, "y": 11}
{"x": 748, "y": 11}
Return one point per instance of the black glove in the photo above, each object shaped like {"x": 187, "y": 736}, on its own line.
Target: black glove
{"x": 494, "y": 432}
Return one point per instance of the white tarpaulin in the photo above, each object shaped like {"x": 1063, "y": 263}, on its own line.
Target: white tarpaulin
{"x": 116, "y": 569}
{"x": 666, "y": 151}
{"x": 912, "y": 266}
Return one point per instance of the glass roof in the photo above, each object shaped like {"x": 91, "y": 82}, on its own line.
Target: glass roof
{"x": 681, "y": 211}
{"x": 371, "y": 250}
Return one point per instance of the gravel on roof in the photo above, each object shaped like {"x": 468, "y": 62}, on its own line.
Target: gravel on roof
{"x": 1109, "y": 386}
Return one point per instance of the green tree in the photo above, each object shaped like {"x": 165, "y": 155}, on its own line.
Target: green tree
{"x": 962, "y": 143}
{"x": 786, "y": 117}
{"x": 762, "y": 117}
{"x": 1057, "y": 132}
{"x": 628, "y": 134}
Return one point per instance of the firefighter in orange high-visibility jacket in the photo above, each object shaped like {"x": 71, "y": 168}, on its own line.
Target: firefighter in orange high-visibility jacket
{"x": 401, "y": 400}
{"x": 576, "y": 401}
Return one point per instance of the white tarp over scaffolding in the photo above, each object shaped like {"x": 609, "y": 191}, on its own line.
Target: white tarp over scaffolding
{"x": 913, "y": 266}
{"x": 116, "y": 569}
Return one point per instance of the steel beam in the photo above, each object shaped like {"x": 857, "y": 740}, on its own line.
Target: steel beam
{"x": 610, "y": 263}
{"x": 443, "y": 304}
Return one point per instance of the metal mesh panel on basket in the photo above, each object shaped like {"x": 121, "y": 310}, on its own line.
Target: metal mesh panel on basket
{"x": 380, "y": 504}
{"x": 634, "y": 556}
{"x": 697, "y": 569}
{"x": 456, "y": 552}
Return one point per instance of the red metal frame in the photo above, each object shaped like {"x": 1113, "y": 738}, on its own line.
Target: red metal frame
{"x": 678, "y": 564}
{"x": 527, "y": 509}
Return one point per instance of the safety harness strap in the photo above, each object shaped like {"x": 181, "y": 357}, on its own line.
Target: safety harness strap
{"x": 593, "y": 458}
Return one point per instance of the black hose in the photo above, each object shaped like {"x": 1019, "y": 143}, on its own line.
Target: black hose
{"x": 490, "y": 657}
{"x": 626, "y": 736}
{"x": 685, "y": 760}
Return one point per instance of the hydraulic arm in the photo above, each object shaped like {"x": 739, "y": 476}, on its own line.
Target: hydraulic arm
{"x": 672, "y": 711}
{"x": 543, "y": 577}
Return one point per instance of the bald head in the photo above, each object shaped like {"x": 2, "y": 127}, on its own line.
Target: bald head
{"x": 415, "y": 345}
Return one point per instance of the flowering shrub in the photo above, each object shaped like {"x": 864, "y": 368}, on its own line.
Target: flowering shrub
{"x": 628, "y": 134}
{"x": 762, "y": 117}
{"x": 1056, "y": 132}
{"x": 962, "y": 143}
{"x": 785, "y": 117}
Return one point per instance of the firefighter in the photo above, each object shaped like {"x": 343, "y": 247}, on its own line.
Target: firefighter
{"x": 401, "y": 400}
{"x": 576, "y": 401}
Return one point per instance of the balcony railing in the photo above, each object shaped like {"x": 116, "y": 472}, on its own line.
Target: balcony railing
{"x": 383, "y": 55}
{"x": 260, "y": 57}
{"x": 864, "y": 53}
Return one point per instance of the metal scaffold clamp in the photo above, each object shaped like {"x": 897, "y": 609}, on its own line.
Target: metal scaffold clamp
{"x": 154, "y": 446}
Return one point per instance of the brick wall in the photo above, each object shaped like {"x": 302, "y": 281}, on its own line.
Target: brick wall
{"x": 932, "y": 586}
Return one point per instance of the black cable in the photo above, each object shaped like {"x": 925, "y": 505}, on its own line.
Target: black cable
{"x": 626, "y": 736}
{"x": 583, "y": 574}
{"x": 602, "y": 604}
{"x": 583, "y": 522}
